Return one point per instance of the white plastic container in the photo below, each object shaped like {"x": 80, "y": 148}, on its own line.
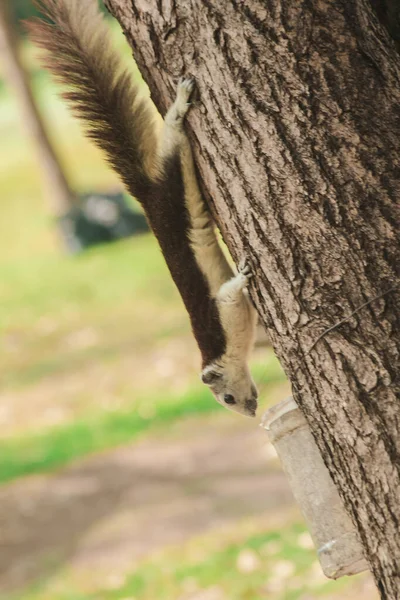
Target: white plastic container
{"x": 331, "y": 528}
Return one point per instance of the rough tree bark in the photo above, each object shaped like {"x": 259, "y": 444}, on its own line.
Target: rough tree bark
{"x": 61, "y": 198}
{"x": 297, "y": 139}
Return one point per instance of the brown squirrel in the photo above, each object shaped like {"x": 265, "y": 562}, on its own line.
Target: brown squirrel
{"x": 156, "y": 166}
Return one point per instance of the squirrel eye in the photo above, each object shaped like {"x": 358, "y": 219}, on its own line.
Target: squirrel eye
{"x": 229, "y": 399}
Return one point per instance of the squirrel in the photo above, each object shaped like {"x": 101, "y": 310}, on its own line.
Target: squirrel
{"x": 156, "y": 165}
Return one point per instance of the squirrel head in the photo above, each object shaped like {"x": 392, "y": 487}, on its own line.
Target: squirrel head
{"x": 232, "y": 386}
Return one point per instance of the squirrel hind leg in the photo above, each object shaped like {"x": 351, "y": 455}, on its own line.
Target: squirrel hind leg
{"x": 177, "y": 113}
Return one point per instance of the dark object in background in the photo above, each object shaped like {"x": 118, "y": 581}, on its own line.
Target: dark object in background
{"x": 98, "y": 219}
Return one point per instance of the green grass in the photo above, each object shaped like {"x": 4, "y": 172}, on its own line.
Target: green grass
{"x": 97, "y": 280}
{"x": 129, "y": 307}
{"x": 52, "y": 448}
{"x": 110, "y": 289}
{"x": 45, "y": 451}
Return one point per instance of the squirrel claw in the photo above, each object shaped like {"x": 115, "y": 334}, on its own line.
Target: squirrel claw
{"x": 186, "y": 86}
{"x": 244, "y": 268}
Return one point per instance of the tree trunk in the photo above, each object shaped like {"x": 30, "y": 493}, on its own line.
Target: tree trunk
{"x": 60, "y": 195}
{"x": 297, "y": 142}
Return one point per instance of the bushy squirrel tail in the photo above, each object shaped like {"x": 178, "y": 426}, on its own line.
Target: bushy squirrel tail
{"x": 117, "y": 115}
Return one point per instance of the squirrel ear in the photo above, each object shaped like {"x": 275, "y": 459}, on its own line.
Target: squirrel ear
{"x": 209, "y": 377}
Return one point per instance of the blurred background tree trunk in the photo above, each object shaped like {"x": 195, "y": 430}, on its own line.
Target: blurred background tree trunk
{"x": 297, "y": 143}
{"x": 60, "y": 195}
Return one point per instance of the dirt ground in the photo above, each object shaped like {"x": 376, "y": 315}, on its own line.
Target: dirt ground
{"x": 103, "y": 513}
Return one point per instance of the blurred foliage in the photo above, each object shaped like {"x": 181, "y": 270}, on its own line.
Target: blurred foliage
{"x": 25, "y": 9}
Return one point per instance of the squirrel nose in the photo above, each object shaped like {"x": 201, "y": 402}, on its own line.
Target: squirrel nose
{"x": 251, "y": 406}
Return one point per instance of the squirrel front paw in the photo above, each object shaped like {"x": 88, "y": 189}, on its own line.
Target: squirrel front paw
{"x": 244, "y": 269}
{"x": 186, "y": 86}
{"x": 183, "y": 94}
{"x": 232, "y": 290}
